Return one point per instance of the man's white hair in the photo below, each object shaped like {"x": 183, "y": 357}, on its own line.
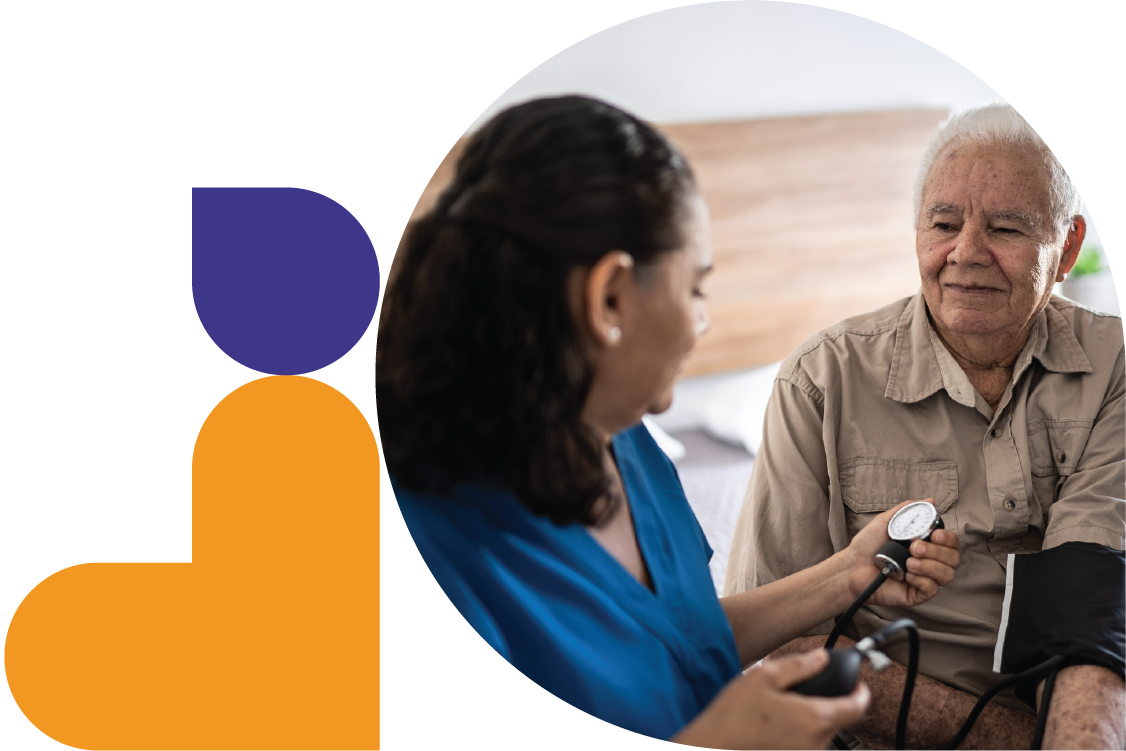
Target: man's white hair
{"x": 998, "y": 124}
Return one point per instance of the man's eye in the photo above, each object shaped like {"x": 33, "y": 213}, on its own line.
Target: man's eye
{"x": 699, "y": 293}
{"x": 1006, "y": 230}
{"x": 944, "y": 227}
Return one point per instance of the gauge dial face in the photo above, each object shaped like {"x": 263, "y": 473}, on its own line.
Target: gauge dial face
{"x": 912, "y": 522}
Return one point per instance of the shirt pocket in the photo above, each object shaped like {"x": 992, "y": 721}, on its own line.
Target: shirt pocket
{"x": 1054, "y": 449}
{"x": 872, "y": 486}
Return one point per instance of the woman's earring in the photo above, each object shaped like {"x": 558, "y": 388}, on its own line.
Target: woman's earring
{"x": 614, "y": 333}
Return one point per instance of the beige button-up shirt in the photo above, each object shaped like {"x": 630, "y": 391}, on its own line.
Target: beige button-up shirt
{"x": 875, "y": 411}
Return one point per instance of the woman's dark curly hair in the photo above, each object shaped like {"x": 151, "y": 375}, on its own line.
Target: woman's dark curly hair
{"x": 481, "y": 374}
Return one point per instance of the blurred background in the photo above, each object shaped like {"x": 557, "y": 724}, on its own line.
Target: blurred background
{"x": 804, "y": 126}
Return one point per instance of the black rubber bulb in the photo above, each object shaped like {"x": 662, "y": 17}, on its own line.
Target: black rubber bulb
{"x": 837, "y": 679}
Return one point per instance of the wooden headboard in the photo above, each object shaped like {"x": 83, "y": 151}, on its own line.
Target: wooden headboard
{"x": 811, "y": 223}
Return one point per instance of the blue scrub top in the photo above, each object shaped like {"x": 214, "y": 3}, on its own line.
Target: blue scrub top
{"x": 556, "y": 605}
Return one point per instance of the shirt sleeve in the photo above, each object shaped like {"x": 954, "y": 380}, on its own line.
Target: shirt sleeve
{"x": 440, "y": 546}
{"x": 783, "y": 526}
{"x": 1090, "y": 506}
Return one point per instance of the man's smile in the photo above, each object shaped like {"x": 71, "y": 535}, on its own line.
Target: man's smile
{"x": 970, "y": 289}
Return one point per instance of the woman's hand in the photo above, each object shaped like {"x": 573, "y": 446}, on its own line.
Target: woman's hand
{"x": 930, "y": 567}
{"x": 756, "y": 710}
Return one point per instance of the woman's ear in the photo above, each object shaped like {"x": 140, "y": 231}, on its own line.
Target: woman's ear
{"x": 605, "y": 283}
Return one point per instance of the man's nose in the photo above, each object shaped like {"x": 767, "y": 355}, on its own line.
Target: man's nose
{"x": 972, "y": 247}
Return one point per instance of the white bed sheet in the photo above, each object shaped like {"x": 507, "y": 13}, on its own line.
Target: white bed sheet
{"x": 714, "y": 476}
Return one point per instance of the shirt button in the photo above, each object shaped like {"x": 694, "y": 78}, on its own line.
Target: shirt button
{"x": 1063, "y": 456}
{"x": 1009, "y": 505}
{"x": 995, "y": 432}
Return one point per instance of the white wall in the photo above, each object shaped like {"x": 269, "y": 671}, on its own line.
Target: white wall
{"x": 754, "y": 58}
{"x": 746, "y": 58}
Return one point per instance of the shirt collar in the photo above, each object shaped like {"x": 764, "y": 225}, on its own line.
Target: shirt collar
{"x": 1063, "y": 353}
{"x": 954, "y": 379}
{"x": 915, "y": 372}
{"x": 921, "y": 365}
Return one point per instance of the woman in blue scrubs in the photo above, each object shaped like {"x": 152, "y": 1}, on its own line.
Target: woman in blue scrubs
{"x": 546, "y": 303}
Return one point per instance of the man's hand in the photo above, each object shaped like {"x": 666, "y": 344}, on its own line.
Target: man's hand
{"x": 930, "y": 567}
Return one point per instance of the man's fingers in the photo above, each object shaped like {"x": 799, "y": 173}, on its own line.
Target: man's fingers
{"x": 786, "y": 671}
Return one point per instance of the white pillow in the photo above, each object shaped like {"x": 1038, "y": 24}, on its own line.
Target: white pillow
{"x": 673, "y": 448}
{"x": 734, "y": 408}
{"x": 729, "y": 406}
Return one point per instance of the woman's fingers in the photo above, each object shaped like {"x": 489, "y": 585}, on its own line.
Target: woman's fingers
{"x": 919, "y": 589}
{"x": 930, "y": 568}
{"x": 927, "y": 576}
{"x": 946, "y": 538}
{"x": 940, "y": 572}
{"x": 933, "y": 560}
{"x": 756, "y": 710}
{"x": 842, "y": 711}
{"x": 783, "y": 672}
{"x": 945, "y": 550}
{"x": 823, "y": 716}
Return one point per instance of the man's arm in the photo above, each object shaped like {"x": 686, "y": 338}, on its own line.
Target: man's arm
{"x": 946, "y": 709}
{"x": 787, "y": 496}
{"x": 1088, "y": 709}
{"x": 1088, "y": 706}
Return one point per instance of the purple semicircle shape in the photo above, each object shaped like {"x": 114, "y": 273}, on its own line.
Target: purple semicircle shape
{"x": 285, "y": 280}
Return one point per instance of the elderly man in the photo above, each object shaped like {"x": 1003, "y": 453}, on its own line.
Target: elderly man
{"x": 1003, "y": 404}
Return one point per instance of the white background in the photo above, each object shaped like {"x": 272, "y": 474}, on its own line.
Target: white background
{"x": 110, "y": 113}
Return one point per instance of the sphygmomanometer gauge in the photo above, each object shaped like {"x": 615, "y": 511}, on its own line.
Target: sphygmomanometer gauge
{"x": 915, "y": 521}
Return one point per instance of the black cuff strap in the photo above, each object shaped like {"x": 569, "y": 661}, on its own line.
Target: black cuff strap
{"x": 1069, "y": 600}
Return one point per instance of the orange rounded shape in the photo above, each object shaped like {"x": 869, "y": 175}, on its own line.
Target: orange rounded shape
{"x": 268, "y": 639}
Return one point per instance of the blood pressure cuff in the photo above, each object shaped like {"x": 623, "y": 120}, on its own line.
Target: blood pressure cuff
{"x": 1067, "y": 600}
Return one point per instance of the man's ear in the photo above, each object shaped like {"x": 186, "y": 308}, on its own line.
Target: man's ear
{"x": 1071, "y": 246}
{"x": 604, "y": 286}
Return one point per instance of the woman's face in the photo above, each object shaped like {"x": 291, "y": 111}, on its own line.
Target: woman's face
{"x": 661, "y": 314}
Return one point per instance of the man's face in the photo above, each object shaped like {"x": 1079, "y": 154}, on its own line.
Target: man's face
{"x": 988, "y": 252}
